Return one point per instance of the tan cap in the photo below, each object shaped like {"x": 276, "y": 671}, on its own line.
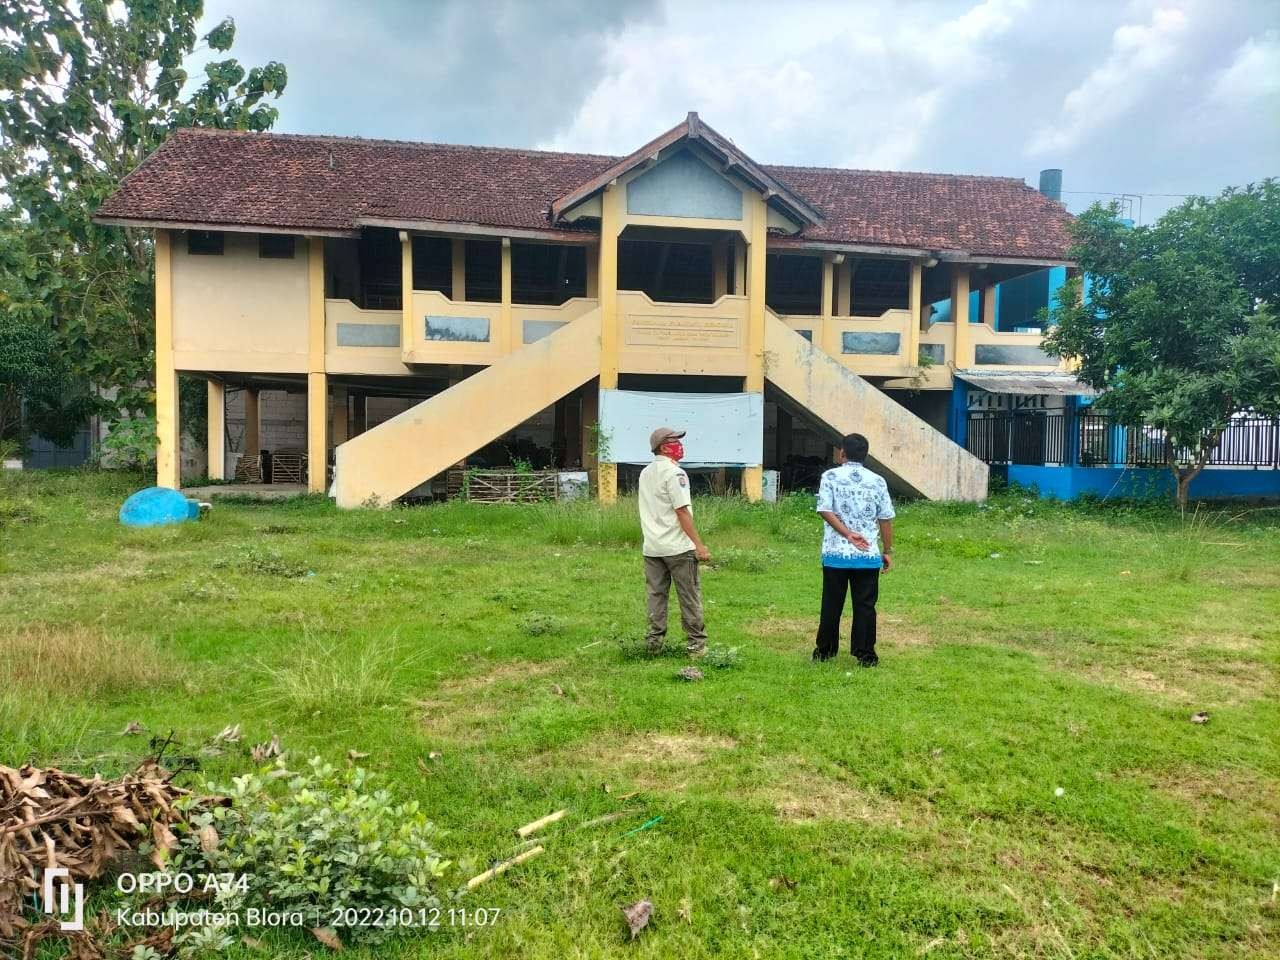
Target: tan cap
{"x": 662, "y": 435}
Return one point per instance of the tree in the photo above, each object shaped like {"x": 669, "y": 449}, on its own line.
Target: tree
{"x": 1181, "y": 324}
{"x": 37, "y": 391}
{"x": 87, "y": 90}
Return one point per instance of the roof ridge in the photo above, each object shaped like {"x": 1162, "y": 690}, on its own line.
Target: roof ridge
{"x": 381, "y": 141}
{"x": 895, "y": 173}
{"x": 440, "y": 145}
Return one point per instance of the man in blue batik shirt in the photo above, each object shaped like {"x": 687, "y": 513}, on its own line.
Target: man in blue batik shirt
{"x": 855, "y": 504}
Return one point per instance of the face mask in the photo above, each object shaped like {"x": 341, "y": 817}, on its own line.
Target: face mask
{"x": 675, "y": 450}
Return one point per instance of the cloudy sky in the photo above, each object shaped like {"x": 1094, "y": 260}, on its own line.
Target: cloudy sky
{"x": 1147, "y": 96}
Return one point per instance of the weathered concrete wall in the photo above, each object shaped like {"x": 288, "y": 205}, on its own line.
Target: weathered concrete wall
{"x": 914, "y": 456}
{"x": 237, "y": 311}
{"x": 282, "y": 419}
{"x": 398, "y": 455}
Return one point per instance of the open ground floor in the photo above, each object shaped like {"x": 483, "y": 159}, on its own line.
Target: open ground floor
{"x": 264, "y": 429}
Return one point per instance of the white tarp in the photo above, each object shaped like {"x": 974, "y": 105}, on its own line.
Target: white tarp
{"x": 725, "y": 429}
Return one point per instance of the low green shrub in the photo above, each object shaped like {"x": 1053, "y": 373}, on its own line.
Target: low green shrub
{"x": 264, "y": 563}
{"x": 324, "y": 842}
{"x": 721, "y": 657}
{"x": 541, "y": 624}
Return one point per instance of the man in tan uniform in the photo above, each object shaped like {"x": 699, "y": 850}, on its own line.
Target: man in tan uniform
{"x": 672, "y": 548}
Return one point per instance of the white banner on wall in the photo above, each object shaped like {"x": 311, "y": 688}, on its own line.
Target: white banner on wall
{"x": 725, "y": 429}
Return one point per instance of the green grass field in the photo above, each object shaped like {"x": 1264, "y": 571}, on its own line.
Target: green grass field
{"x": 807, "y": 810}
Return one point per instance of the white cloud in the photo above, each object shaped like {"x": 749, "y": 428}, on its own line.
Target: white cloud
{"x": 1253, "y": 74}
{"x": 844, "y": 85}
{"x": 1140, "y": 55}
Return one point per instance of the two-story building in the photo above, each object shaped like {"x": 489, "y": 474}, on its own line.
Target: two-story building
{"x": 766, "y": 309}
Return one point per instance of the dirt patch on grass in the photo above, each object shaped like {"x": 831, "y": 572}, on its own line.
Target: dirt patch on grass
{"x": 501, "y": 674}
{"x": 78, "y": 662}
{"x": 1230, "y": 791}
{"x": 1143, "y": 681}
{"x": 801, "y": 793}
{"x": 467, "y": 708}
{"x": 784, "y": 633}
{"x": 655, "y": 761}
{"x": 669, "y": 748}
{"x": 1219, "y": 683}
{"x": 900, "y": 632}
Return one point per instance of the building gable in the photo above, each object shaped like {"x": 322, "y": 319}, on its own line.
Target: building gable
{"x": 684, "y": 186}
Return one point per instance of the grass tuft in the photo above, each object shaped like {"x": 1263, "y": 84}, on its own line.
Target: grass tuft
{"x": 327, "y": 678}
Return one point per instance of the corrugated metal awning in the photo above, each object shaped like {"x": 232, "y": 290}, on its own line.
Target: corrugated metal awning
{"x": 1024, "y": 383}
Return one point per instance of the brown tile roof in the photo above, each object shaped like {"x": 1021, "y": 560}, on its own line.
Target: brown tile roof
{"x": 991, "y": 216}
{"x": 229, "y": 178}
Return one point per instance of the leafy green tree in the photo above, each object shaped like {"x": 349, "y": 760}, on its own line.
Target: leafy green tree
{"x": 1181, "y": 325}
{"x": 37, "y": 391}
{"x": 87, "y": 90}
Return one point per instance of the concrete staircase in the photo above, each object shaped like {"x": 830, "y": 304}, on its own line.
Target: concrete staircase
{"x": 913, "y": 456}
{"x": 394, "y": 457}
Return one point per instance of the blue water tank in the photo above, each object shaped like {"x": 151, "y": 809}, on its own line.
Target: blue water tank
{"x": 157, "y": 506}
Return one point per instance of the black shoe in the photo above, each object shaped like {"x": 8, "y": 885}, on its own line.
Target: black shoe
{"x": 822, "y": 657}
{"x": 868, "y": 661}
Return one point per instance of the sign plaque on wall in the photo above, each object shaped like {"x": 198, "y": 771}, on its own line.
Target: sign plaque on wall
{"x": 686, "y": 331}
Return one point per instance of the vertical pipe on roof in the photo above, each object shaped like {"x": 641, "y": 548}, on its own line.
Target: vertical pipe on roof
{"x": 1051, "y": 183}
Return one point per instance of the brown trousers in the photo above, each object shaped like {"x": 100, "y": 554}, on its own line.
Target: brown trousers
{"x": 659, "y": 573}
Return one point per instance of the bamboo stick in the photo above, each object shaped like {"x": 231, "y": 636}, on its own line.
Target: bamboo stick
{"x": 537, "y": 825}
{"x": 503, "y": 867}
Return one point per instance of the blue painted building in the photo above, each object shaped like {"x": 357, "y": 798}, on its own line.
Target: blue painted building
{"x": 1039, "y": 430}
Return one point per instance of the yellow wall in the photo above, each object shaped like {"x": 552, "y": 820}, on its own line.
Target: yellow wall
{"x": 239, "y": 313}
{"x": 386, "y": 361}
{"x": 506, "y": 327}
{"x": 686, "y": 338}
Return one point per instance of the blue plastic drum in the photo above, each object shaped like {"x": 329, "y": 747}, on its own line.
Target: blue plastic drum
{"x": 157, "y": 506}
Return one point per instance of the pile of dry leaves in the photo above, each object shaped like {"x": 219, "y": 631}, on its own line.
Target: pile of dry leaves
{"x": 50, "y": 818}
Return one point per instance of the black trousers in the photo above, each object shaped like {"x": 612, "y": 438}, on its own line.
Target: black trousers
{"x": 865, "y": 587}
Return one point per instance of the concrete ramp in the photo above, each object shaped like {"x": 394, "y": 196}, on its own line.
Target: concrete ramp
{"x": 913, "y": 456}
{"x": 394, "y": 457}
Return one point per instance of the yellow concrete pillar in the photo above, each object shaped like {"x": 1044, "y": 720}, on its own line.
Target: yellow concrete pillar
{"x": 739, "y": 267}
{"x": 825, "y": 329}
{"x": 407, "y": 338}
{"x": 753, "y": 474}
{"x": 339, "y": 428}
{"x": 960, "y": 316}
{"x": 168, "y": 427}
{"x": 915, "y": 293}
{"x": 509, "y": 340}
{"x": 593, "y": 271}
{"x": 317, "y": 383}
{"x": 216, "y": 445}
{"x": 755, "y": 292}
{"x": 828, "y": 286}
{"x": 458, "y": 288}
{"x": 844, "y": 289}
{"x": 719, "y": 269}
{"x": 610, "y": 335}
{"x": 988, "y": 298}
{"x": 317, "y": 432}
{"x": 252, "y": 431}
